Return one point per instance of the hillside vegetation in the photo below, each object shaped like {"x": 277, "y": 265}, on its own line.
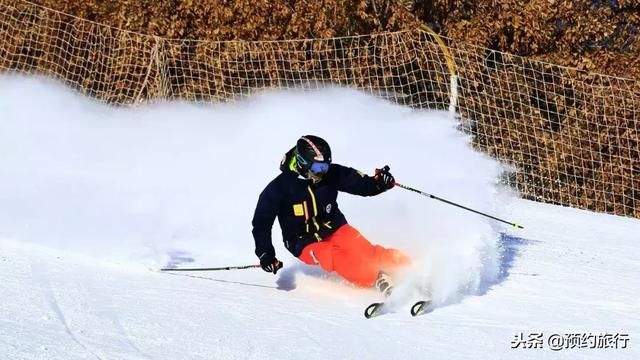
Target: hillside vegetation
{"x": 598, "y": 35}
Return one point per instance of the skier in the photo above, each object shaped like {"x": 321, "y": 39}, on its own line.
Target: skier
{"x": 303, "y": 198}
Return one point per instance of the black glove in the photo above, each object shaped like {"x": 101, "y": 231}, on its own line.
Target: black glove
{"x": 384, "y": 179}
{"x": 270, "y": 264}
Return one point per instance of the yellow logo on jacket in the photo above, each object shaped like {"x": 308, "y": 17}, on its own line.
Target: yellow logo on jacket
{"x": 298, "y": 210}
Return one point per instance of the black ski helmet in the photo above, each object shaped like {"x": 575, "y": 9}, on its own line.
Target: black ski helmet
{"x": 310, "y": 149}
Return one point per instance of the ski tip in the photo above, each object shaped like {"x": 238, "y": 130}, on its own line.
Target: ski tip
{"x": 373, "y": 310}
{"x": 153, "y": 269}
{"x": 420, "y": 307}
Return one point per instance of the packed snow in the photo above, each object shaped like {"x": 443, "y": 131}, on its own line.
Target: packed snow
{"x": 92, "y": 196}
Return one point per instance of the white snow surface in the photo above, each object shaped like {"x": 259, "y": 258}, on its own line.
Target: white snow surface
{"x": 91, "y": 196}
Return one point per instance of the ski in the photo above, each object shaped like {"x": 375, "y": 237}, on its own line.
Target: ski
{"x": 384, "y": 285}
{"x": 420, "y": 307}
{"x": 373, "y": 310}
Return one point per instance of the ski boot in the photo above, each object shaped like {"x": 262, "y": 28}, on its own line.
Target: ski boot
{"x": 383, "y": 284}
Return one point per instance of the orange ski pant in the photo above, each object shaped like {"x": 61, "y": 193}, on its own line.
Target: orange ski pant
{"x": 352, "y": 256}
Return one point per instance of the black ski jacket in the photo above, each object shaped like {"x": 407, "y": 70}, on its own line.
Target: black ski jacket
{"x": 306, "y": 212}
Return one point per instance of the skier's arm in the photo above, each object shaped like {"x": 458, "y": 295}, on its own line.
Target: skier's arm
{"x": 357, "y": 183}
{"x": 263, "y": 218}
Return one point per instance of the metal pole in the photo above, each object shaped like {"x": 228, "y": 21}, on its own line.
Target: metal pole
{"x": 215, "y": 269}
{"x": 458, "y": 205}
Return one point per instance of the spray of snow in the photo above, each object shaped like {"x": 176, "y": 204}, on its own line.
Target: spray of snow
{"x": 177, "y": 182}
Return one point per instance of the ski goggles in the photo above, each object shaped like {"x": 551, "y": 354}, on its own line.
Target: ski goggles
{"x": 319, "y": 168}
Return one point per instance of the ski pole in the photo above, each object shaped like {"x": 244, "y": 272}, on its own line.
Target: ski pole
{"x": 454, "y": 204}
{"x": 215, "y": 269}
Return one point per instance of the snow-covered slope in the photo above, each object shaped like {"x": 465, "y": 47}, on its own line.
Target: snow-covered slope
{"x": 91, "y": 196}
